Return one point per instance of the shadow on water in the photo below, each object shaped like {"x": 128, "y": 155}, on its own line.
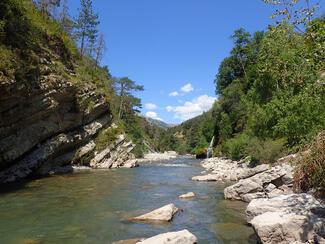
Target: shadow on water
{"x": 94, "y": 206}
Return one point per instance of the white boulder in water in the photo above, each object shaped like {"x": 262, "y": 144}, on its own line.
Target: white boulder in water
{"x": 165, "y": 213}
{"x": 188, "y": 195}
{"x": 178, "y": 237}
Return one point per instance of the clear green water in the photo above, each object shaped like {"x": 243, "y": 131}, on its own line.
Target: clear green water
{"x": 94, "y": 206}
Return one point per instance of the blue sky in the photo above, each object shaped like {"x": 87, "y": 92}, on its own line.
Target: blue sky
{"x": 174, "y": 47}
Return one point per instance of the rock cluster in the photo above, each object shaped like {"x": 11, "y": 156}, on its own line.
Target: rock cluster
{"x": 294, "y": 218}
{"x": 221, "y": 169}
{"x": 116, "y": 155}
{"x": 270, "y": 183}
{"x": 276, "y": 214}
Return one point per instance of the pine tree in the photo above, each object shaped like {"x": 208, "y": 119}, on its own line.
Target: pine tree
{"x": 124, "y": 88}
{"x": 87, "y": 23}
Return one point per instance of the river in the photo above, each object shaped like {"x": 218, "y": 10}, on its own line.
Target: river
{"x": 94, "y": 206}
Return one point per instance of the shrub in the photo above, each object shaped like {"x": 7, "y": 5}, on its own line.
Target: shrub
{"x": 265, "y": 151}
{"x": 235, "y": 148}
{"x": 310, "y": 170}
{"x": 107, "y": 137}
{"x": 201, "y": 153}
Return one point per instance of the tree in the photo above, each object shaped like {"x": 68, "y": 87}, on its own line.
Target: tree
{"x": 100, "y": 49}
{"x": 127, "y": 102}
{"x": 64, "y": 18}
{"x": 294, "y": 12}
{"x": 86, "y": 25}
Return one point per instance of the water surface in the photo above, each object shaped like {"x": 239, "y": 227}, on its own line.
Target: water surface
{"x": 94, "y": 206}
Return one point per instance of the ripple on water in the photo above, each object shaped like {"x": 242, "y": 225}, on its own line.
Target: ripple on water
{"x": 95, "y": 206}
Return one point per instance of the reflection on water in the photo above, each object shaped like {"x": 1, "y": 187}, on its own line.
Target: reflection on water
{"x": 94, "y": 206}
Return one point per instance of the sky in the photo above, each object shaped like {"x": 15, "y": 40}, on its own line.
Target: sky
{"x": 173, "y": 47}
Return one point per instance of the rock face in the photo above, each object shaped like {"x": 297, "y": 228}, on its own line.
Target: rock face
{"x": 165, "y": 213}
{"x": 221, "y": 169}
{"x": 187, "y": 195}
{"x": 179, "y": 237}
{"x": 294, "y": 218}
{"x": 117, "y": 155}
{"x": 51, "y": 124}
{"x": 270, "y": 183}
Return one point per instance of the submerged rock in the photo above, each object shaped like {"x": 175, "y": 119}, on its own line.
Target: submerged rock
{"x": 187, "y": 195}
{"x": 294, "y": 218}
{"x": 165, "y": 213}
{"x": 179, "y": 237}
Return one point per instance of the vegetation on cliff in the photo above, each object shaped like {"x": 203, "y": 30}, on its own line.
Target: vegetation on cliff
{"x": 52, "y": 63}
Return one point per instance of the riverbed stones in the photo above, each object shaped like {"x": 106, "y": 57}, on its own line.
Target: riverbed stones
{"x": 221, "y": 169}
{"x": 294, "y": 218}
{"x": 187, "y": 195}
{"x": 178, "y": 237}
{"x": 165, "y": 213}
{"x": 270, "y": 183}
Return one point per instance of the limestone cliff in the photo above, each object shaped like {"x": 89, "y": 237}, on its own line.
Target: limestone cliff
{"x": 53, "y": 102}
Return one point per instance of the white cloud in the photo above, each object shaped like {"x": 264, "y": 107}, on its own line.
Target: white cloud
{"x": 169, "y": 108}
{"x": 192, "y": 108}
{"x": 152, "y": 115}
{"x": 174, "y": 94}
{"x": 187, "y": 88}
{"x": 150, "y": 106}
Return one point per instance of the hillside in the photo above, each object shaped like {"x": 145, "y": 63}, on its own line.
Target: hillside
{"x": 57, "y": 107}
{"x": 190, "y": 136}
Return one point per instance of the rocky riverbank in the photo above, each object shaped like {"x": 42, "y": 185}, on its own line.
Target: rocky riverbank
{"x": 156, "y": 156}
{"x": 274, "y": 211}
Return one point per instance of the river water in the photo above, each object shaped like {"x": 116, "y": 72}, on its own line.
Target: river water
{"x": 94, "y": 206}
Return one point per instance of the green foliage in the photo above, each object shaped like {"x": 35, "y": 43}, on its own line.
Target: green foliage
{"x": 310, "y": 170}
{"x": 267, "y": 90}
{"x": 201, "y": 153}
{"x": 87, "y": 23}
{"x": 235, "y": 148}
{"x": 107, "y": 137}
{"x": 265, "y": 151}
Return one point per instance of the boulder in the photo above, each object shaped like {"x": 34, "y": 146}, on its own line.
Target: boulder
{"x": 179, "y": 237}
{"x": 165, "y": 213}
{"x": 187, "y": 195}
{"x": 294, "y": 218}
{"x": 129, "y": 241}
{"x": 209, "y": 177}
{"x": 266, "y": 182}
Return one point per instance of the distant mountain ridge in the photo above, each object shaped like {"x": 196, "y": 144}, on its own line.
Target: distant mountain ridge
{"x": 159, "y": 123}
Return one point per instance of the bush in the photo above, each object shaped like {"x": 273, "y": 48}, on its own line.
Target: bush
{"x": 107, "y": 137}
{"x": 265, "y": 151}
{"x": 235, "y": 148}
{"x": 260, "y": 150}
{"x": 201, "y": 153}
{"x": 310, "y": 170}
